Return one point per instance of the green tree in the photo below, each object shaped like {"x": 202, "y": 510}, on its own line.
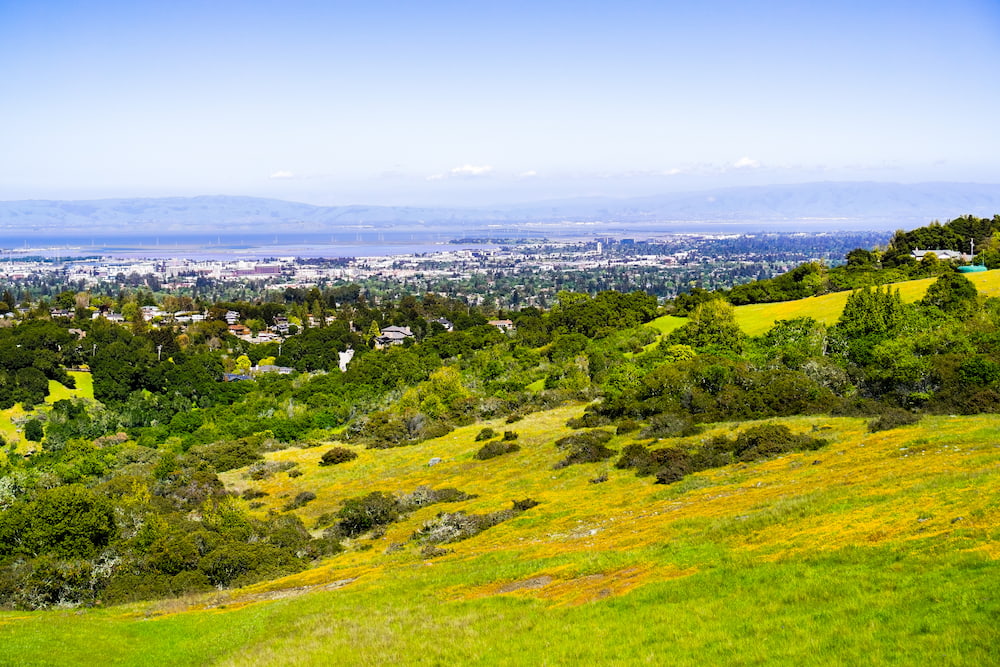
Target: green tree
{"x": 711, "y": 324}
{"x": 953, "y": 294}
{"x": 33, "y": 430}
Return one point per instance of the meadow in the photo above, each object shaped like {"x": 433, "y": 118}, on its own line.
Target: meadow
{"x": 876, "y": 549}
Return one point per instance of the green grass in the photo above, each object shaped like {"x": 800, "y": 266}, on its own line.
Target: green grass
{"x": 877, "y": 549}
{"x": 756, "y": 319}
{"x": 84, "y": 388}
{"x": 858, "y": 606}
{"x": 9, "y": 431}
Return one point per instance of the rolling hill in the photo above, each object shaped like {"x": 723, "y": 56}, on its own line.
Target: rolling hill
{"x": 875, "y": 548}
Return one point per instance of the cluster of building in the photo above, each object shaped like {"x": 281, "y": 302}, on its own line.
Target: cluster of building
{"x": 459, "y": 263}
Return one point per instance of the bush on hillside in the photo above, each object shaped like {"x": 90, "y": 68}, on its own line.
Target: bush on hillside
{"x": 455, "y": 526}
{"x": 361, "y": 514}
{"x": 669, "y": 426}
{"x": 337, "y": 455}
{"x": 595, "y": 437}
{"x": 495, "y": 448}
{"x": 265, "y": 469}
{"x": 300, "y": 500}
{"x": 636, "y": 456}
{"x": 771, "y": 439}
{"x": 586, "y": 447}
{"x": 892, "y": 418}
{"x": 485, "y": 434}
{"x": 671, "y": 465}
{"x": 627, "y": 426}
{"x": 422, "y": 496}
{"x": 588, "y": 420}
{"x": 33, "y": 430}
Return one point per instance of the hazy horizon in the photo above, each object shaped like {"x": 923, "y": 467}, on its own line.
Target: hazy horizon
{"x": 444, "y": 104}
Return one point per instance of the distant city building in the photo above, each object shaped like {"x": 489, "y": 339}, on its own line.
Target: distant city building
{"x": 945, "y": 255}
{"x": 392, "y": 336}
{"x": 448, "y": 326}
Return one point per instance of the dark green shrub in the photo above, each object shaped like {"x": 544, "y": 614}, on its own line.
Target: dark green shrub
{"x": 300, "y": 500}
{"x": 525, "y": 504}
{"x": 422, "y": 496}
{"x": 295, "y": 473}
{"x": 508, "y": 436}
{"x": 671, "y": 465}
{"x": 251, "y": 494}
{"x": 33, "y": 430}
{"x": 588, "y": 420}
{"x": 627, "y": 426}
{"x": 771, "y": 439}
{"x": 337, "y": 455}
{"x": 586, "y": 447}
{"x": 595, "y": 437}
{"x": 669, "y": 426}
{"x": 361, "y": 514}
{"x": 638, "y": 457}
{"x": 496, "y": 448}
{"x": 485, "y": 434}
{"x": 892, "y": 418}
{"x": 225, "y": 455}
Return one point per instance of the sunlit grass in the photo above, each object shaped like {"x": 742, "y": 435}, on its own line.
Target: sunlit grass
{"x": 10, "y": 417}
{"x": 879, "y": 548}
{"x": 756, "y": 319}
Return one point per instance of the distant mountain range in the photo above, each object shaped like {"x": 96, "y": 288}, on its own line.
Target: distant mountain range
{"x": 842, "y": 205}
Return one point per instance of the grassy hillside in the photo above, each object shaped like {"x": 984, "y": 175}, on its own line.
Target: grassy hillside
{"x": 878, "y": 548}
{"x": 10, "y": 432}
{"x": 756, "y": 319}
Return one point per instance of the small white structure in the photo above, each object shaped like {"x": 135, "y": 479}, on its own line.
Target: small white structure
{"x": 448, "y": 326}
{"x": 345, "y": 358}
{"x": 943, "y": 255}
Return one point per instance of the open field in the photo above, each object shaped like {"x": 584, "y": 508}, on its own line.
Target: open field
{"x": 879, "y": 548}
{"x": 9, "y": 429}
{"x": 756, "y": 319}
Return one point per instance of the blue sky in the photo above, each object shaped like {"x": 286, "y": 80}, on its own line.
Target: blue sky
{"x": 480, "y": 102}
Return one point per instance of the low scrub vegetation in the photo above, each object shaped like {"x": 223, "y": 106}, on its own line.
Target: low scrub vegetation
{"x": 495, "y": 448}
{"x": 449, "y": 527}
{"x": 337, "y": 455}
{"x": 585, "y": 447}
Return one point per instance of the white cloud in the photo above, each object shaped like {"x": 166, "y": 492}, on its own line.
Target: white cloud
{"x": 472, "y": 170}
{"x": 465, "y": 171}
{"x": 528, "y": 174}
{"x": 281, "y": 174}
{"x": 673, "y": 172}
{"x": 746, "y": 163}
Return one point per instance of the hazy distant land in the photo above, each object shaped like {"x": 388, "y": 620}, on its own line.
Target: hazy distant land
{"x": 805, "y": 207}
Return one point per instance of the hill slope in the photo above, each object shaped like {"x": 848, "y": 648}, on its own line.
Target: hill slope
{"x": 757, "y": 318}
{"x": 877, "y": 548}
